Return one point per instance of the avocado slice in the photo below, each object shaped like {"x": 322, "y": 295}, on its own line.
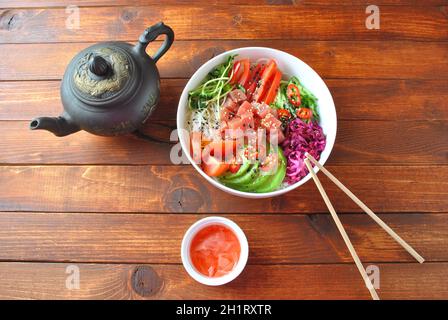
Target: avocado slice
{"x": 231, "y": 176}
{"x": 259, "y": 180}
{"x": 245, "y": 178}
{"x": 276, "y": 179}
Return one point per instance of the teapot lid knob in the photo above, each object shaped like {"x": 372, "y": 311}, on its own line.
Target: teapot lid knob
{"x": 102, "y": 73}
{"x": 99, "y": 66}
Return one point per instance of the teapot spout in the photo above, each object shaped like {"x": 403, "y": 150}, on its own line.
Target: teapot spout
{"x": 59, "y": 126}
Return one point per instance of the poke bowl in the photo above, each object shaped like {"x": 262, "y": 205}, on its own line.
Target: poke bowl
{"x": 250, "y": 102}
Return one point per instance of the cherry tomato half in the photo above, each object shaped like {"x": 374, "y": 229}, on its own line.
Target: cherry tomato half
{"x": 213, "y": 167}
{"x": 234, "y": 166}
{"x": 272, "y": 92}
{"x": 255, "y": 76}
{"x": 214, "y": 157}
{"x": 235, "y": 72}
{"x": 244, "y": 78}
{"x": 268, "y": 74}
{"x": 293, "y": 94}
{"x": 240, "y": 72}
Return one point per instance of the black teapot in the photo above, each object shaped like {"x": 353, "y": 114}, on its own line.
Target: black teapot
{"x": 110, "y": 88}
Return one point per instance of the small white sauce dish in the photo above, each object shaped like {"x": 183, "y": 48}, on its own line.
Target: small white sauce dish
{"x": 185, "y": 251}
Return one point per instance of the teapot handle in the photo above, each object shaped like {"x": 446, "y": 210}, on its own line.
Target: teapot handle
{"x": 151, "y": 34}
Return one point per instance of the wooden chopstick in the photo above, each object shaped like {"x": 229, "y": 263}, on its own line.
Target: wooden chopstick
{"x": 366, "y": 209}
{"x": 347, "y": 241}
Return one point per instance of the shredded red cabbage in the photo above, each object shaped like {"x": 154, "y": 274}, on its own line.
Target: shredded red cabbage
{"x": 300, "y": 138}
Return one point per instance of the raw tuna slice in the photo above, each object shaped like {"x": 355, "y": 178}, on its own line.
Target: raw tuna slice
{"x": 235, "y": 123}
{"x": 230, "y": 104}
{"x": 245, "y": 107}
{"x": 237, "y": 95}
{"x": 226, "y": 114}
{"x": 269, "y": 122}
{"x": 247, "y": 120}
{"x": 261, "y": 109}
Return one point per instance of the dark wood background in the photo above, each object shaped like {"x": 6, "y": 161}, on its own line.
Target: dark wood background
{"x": 112, "y": 205}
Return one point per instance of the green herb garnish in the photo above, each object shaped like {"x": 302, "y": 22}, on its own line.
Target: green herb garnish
{"x": 215, "y": 86}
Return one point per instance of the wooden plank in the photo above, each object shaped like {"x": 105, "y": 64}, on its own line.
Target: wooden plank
{"x": 273, "y": 239}
{"x": 358, "y": 142}
{"x": 107, "y": 281}
{"x": 396, "y": 100}
{"x": 82, "y": 147}
{"x": 379, "y": 142}
{"x": 89, "y": 3}
{"x": 223, "y": 22}
{"x": 331, "y": 59}
{"x": 181, "y": 189}
{"x": 355, "y": 99}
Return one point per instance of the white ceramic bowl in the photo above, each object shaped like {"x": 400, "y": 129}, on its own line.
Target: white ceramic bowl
{"x": 185, "y": 251}
{"x": 290, "y": 66}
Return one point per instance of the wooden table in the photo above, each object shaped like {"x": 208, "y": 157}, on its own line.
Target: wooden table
{"x": 116, "y": 208}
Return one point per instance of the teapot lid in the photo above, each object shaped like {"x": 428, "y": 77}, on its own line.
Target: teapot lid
{"x": 102, "y": 73}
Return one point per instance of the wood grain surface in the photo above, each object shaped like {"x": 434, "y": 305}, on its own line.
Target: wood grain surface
{"x": 120, "y": 238}
{"x": 182, "y": 189}
{"x": 355, "y": 99}
{"x": 93, "y": 3}
{"x": 107, "y": 281}
{"x": 227, "y": 22}
{"x": 362, "y": 142}
{"x": 331, "y": 59}
{"x": 117, "y": 208}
